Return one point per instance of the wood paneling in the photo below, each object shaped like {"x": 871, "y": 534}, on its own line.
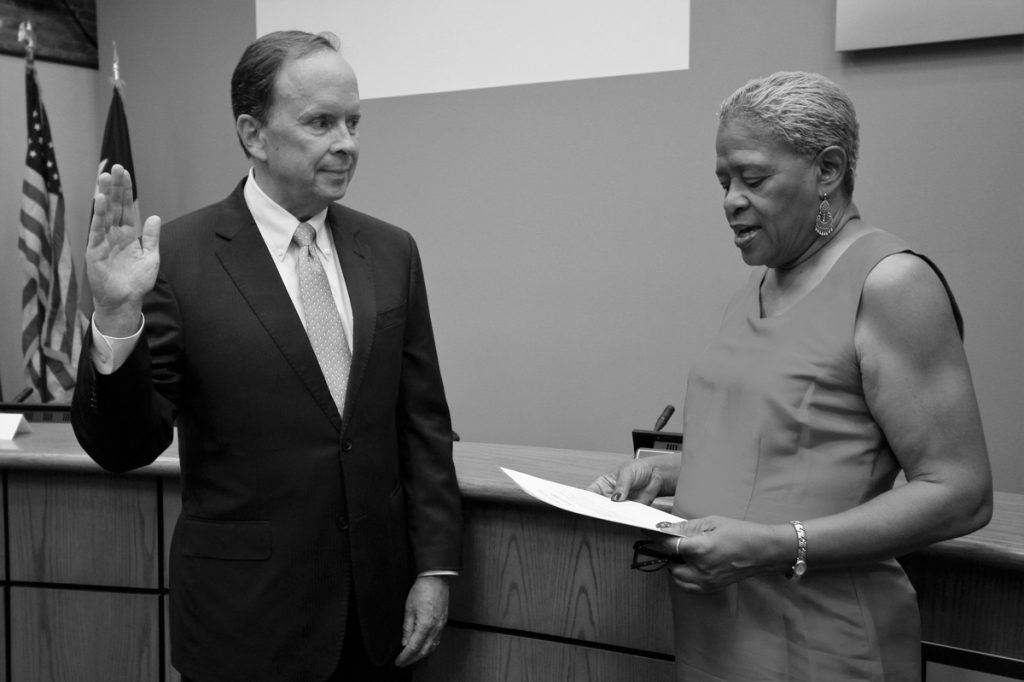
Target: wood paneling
{"x": 3, "y": 637}
{"x": 82, "y": 529}
{"x": 541, "y": 570}
{"x": 969, "y": 606}
{"x": 171, "y": 675}
{"x": 3, "y": 526}
{"x": 172, "y": 509}
{"x": 543, "y": 595}
{"x": 469, "y": 656}
{"x": 59, "y": 635}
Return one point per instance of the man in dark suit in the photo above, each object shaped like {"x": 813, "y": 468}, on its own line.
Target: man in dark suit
{"x": 320, "y": 512}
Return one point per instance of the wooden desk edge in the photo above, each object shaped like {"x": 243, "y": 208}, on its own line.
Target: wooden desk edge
{"x": 53, "y": 447}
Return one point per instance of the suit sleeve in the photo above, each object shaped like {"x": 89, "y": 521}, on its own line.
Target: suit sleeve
{"x": 425, "y": 440}
{"x": 121, "y": 420}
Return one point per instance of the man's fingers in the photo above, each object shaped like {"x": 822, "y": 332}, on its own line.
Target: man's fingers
{"x": 98, "y": 226}
{"x": 116, "y": 194}
{"x": 151, "y": 233}
{"x": 418, "y": 647}
{"x": 103, "y": 184}
{"x": 129, "y": 212}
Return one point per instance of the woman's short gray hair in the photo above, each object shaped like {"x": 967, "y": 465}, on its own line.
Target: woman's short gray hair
{"x": 806, "y": 111}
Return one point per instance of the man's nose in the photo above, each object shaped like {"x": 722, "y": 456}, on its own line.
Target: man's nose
{"x": 345, "y": 141}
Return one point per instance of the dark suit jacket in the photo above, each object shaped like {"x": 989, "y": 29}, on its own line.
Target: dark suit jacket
{"x": 287, "y": 505}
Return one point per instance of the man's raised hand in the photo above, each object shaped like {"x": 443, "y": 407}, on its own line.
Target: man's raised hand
{"x": 122, "y": 257}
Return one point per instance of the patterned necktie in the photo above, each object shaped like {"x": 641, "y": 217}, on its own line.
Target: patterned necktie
{"x": 323, "y": 321}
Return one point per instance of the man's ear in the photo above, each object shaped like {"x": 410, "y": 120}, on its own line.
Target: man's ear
{"x": 250, "y": 135}
{"x": 832, "y": 168}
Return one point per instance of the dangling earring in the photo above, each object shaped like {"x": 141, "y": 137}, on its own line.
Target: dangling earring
{"x": 824, "y": 222}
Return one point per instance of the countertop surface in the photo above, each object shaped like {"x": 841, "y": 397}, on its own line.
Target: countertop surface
{"x": 53, "y": 447}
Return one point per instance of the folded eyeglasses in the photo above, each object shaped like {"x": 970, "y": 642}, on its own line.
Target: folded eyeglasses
{"x": 649, "y": 556}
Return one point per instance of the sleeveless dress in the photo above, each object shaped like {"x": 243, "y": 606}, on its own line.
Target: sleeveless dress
{"x": 776, "y": 429}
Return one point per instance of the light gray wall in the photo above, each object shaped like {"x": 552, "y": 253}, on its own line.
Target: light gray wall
{"x": 69, "y": 95}
{"x": 177, "y": 58}
{"x": 575, "y": 250}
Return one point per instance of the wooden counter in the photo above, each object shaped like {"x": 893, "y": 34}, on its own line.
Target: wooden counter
{"x": 544, "y": 595}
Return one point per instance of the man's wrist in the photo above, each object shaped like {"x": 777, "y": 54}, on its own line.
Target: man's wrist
{"x": 437, "y": 574}
{"x": 109, "y": 352}
{"x": 120, "y": 322}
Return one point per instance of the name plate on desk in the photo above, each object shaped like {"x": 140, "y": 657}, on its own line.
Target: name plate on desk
{"x": 655, "y": 442}
{"x": 13, "y": 424}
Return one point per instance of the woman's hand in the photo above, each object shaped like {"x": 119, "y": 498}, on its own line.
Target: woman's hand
{"x": 719, "y": 551}
{"x": 640, "y": 480}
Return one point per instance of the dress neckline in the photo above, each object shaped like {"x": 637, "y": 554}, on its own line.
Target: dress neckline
{"x": 757, "y": 312}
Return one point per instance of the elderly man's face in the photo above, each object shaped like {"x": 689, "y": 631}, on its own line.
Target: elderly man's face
{"x": 310, "y": 144}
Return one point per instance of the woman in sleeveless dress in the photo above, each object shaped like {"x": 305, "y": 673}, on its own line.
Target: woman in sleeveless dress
{"x": 838, "y": 365}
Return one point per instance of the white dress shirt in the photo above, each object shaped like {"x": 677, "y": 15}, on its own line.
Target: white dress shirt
{"x": 276, "y": 226}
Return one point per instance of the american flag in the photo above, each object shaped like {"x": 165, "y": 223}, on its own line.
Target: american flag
{"x": 50, "y": 336}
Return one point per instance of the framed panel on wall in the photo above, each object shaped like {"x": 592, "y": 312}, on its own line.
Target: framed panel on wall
{"x": 403, "y": 48}
{"x": 871, "y": 24}
{"x": 65, "y": 31}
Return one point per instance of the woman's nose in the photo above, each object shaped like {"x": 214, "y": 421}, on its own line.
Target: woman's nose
{"x": 735, "y": 200}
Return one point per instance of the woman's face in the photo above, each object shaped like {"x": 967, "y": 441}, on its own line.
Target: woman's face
{"x": 771, "y": 194}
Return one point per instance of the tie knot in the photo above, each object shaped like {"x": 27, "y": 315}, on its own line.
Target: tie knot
{"x": 304, "y": 235}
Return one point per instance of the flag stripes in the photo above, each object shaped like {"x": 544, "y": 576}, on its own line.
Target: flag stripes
{"x": 51, "y": 338}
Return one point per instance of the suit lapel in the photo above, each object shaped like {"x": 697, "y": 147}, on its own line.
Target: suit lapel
{"x": 357, "y": 268}
{"x": 250, "y": 266}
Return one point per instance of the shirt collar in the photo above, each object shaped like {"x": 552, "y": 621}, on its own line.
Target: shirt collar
{"x": 276, "y": 224}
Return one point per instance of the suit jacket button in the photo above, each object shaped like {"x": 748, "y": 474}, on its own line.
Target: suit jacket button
{"x": 346, "y": 446}
{"x": 342, "y": 522}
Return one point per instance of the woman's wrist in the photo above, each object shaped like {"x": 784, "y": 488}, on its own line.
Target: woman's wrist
{"x": 780, "y": 549}
{"x": 799, "y": 566}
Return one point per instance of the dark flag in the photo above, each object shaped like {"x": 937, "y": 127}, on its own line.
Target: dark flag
{"x": 116, "y": 148}
{"x": 50, "y": 333}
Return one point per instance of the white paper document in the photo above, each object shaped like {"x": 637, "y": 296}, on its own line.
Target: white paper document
{"x": 591, "y": 504}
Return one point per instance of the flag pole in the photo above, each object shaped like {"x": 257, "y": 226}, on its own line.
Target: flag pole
{"x": 27, "y": 37}
{"x": 116, "y": 70}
